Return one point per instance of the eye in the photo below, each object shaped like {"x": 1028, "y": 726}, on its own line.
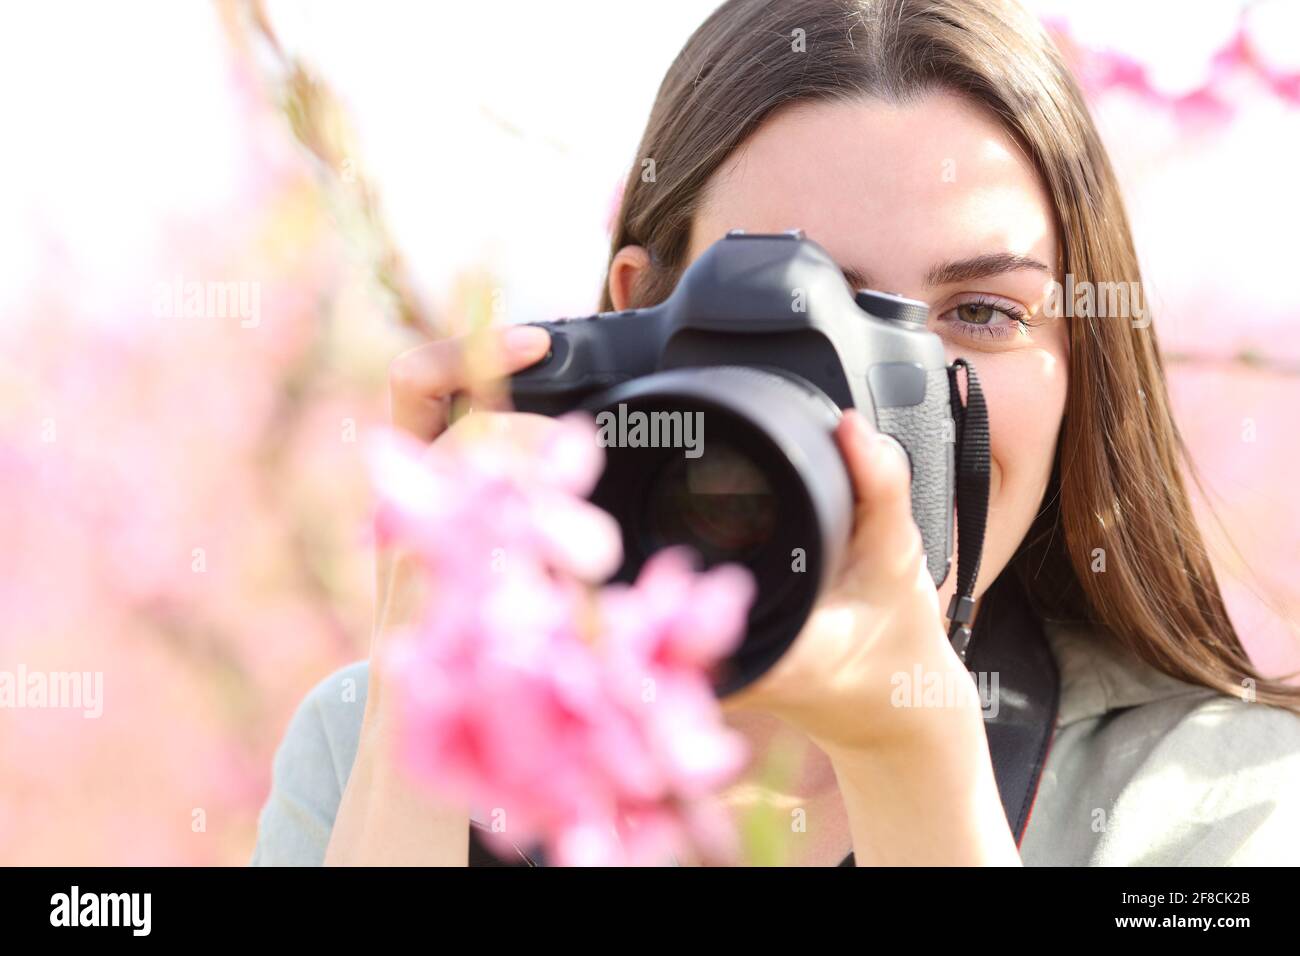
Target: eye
{"x": 984, "y": 317}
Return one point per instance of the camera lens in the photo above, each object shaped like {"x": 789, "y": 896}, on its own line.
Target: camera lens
{"x": 720, "y": 504}
{"x": 760, "y": 483}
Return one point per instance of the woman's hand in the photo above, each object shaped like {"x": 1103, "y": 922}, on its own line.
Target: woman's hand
{"x": 382, "y": 819}
{"x": 917, "y": 781}
{"x": 422, "y": 382}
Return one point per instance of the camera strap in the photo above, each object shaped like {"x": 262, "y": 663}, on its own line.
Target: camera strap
{"x": 972, "y": 461}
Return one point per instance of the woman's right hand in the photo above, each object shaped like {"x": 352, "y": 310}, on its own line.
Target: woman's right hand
{"x": 383, "y": 820}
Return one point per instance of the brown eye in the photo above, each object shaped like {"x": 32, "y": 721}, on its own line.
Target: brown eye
{"x": 977, "y": 313}
{"x": 984, "y": 319}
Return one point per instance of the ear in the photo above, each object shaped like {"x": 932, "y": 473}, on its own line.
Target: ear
{"x": 629, "y": 264}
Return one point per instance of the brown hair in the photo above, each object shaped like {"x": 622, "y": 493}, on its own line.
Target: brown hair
{"x": 1117, "y": 482}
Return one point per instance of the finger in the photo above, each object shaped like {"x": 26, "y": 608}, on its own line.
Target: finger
{"x": 886, "y": 544}
{"x": 422, "y": 380}
{"x": 525, "y": 432}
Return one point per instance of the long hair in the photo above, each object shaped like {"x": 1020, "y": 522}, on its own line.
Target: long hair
{"x": 1118, "y": 477}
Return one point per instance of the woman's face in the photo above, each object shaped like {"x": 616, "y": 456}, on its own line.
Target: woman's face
{"x": 933, "y": 201}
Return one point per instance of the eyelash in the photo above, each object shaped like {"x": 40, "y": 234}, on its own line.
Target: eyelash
{"x": 1017, "y": 315}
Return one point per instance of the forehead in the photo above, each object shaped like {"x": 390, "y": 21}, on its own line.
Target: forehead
{"x": 884, "y": 186}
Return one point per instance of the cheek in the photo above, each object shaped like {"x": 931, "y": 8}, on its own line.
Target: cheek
{"x": 1026, "y": 392}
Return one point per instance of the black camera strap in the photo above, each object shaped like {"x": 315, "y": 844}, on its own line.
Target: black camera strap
{"x": 973, "y": 463}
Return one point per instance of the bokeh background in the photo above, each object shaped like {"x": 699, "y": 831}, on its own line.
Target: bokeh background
{"x": 182, "y": 504}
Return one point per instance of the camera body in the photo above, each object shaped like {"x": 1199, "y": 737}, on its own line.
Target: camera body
{"x": 765, "y": 342}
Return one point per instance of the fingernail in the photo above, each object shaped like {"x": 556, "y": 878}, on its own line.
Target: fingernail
{"x": 526, "y": 340}
{"x": 859, "y": 423}
{"x": 883, "y": 441}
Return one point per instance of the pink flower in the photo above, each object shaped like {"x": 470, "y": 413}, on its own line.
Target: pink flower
{"x": 584, "y": 721}
{"x": 481, "y": 501}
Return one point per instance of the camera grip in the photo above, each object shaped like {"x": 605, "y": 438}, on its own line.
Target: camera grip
{"x": 928, "y": 435}
{"x": 587, "y": 355}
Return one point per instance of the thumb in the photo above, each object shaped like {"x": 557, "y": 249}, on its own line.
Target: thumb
{"x": 886, "y": 546}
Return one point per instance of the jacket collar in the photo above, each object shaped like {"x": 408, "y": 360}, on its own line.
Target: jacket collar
{"x": 1098, "y": 675}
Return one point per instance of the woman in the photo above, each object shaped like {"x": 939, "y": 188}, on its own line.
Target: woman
{"x": 937, "y": 149}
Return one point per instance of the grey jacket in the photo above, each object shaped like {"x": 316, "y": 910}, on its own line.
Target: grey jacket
{"x": 1143, "y": 769}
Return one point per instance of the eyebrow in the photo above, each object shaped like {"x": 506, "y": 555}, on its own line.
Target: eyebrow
{"x": 963, "y": 270}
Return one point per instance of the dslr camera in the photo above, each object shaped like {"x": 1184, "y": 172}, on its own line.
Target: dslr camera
{"x": 717, "y": 409}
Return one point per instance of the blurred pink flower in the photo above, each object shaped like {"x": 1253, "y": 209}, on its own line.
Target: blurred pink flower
{"x": 482, "y": 498}
{"x": 588, "y": 720}
{"x": 1200, "y": 70}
